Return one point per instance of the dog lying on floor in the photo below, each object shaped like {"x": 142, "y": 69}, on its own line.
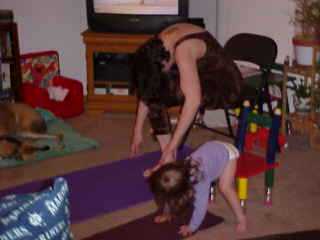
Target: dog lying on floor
{"x": 20, "y": 127}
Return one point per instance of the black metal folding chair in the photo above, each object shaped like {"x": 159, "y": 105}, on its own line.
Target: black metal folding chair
{"x": 258, "y": 50}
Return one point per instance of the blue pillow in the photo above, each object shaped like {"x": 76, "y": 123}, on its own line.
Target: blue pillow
{"x": 37, "y": 216}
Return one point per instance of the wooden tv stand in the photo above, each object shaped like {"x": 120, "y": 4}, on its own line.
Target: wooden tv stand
{"x": 110, "y": 43}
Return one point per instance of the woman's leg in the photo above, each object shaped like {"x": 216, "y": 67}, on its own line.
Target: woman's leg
{"x": 227, "y": 188}
{"x": 159, "y": 119}
{"x": 160, "y": 123}
{"x": 161, "y": 129}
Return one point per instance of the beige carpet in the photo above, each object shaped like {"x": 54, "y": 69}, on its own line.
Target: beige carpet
{"x": 296, "y": 194}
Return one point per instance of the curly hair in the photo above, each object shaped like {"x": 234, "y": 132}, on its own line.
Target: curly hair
{"x": 150, "y": 83}
{"x": 173, "y": 184}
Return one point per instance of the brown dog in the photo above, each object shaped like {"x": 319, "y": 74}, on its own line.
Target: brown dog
{"x": 20, "y": 126}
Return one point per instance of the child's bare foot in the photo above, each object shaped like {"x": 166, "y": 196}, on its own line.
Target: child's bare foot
{"x": 242, "y": 226}
{"x": 162, "y": 218}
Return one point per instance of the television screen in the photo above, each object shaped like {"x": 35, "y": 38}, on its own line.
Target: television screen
{"x": 142, "y": 7}
{"x": 135, "y": 16}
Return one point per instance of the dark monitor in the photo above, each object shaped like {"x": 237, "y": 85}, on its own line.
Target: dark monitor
{"x": 135, "y": 16}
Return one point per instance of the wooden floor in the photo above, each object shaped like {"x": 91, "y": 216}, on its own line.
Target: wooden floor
{"x": 295, "y": 200}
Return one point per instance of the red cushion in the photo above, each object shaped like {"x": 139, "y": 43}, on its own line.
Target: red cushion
{"x": 71, "y": 106}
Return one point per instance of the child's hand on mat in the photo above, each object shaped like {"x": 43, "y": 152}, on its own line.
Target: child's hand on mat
{"x": 185, "y": 231}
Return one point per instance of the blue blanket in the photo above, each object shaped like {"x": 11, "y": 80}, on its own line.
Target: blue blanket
{"x": 73, "y": 142}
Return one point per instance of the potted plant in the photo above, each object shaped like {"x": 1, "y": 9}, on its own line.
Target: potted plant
{"x": 302, "y": 95}
{"x": 306, "y": 20}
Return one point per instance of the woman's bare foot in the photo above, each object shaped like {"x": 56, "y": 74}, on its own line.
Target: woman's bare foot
{"x": 242, "y": 226}
{"x": 162, "y": 218}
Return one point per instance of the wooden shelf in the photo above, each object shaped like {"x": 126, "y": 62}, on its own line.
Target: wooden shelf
{"x": 10, "y": 29}
{"x": 307, "y": 72}
{"x": 109, "y": 43}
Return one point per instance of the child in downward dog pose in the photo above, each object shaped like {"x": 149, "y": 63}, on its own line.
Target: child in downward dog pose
{"x": 180, "y": 184}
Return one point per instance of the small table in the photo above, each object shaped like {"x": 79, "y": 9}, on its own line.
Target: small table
{"x": 307, "y": 72}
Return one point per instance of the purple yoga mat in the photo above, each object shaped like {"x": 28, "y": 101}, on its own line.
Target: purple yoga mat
{"x": 103, "y": 189}
{"x": 145, "y": 229}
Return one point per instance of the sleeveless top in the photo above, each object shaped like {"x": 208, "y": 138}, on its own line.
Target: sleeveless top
{"x": 220, "y": 78}
{"x": 213, "y": 157}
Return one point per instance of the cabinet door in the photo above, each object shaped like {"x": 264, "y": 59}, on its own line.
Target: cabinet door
{"x": 112, "y": 74}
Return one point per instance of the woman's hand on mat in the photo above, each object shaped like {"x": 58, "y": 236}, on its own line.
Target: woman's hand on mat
{"x": 169, "y": 158}
{"x": 148, "y": 172}
{"x": 185, "y": 231}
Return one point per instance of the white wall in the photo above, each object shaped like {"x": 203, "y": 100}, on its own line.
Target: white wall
{"x": 205, "y": 9}
{"x": 268, "y": 17}
{"x": 46, "y": 24}
{"x": 57, "y": 25}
